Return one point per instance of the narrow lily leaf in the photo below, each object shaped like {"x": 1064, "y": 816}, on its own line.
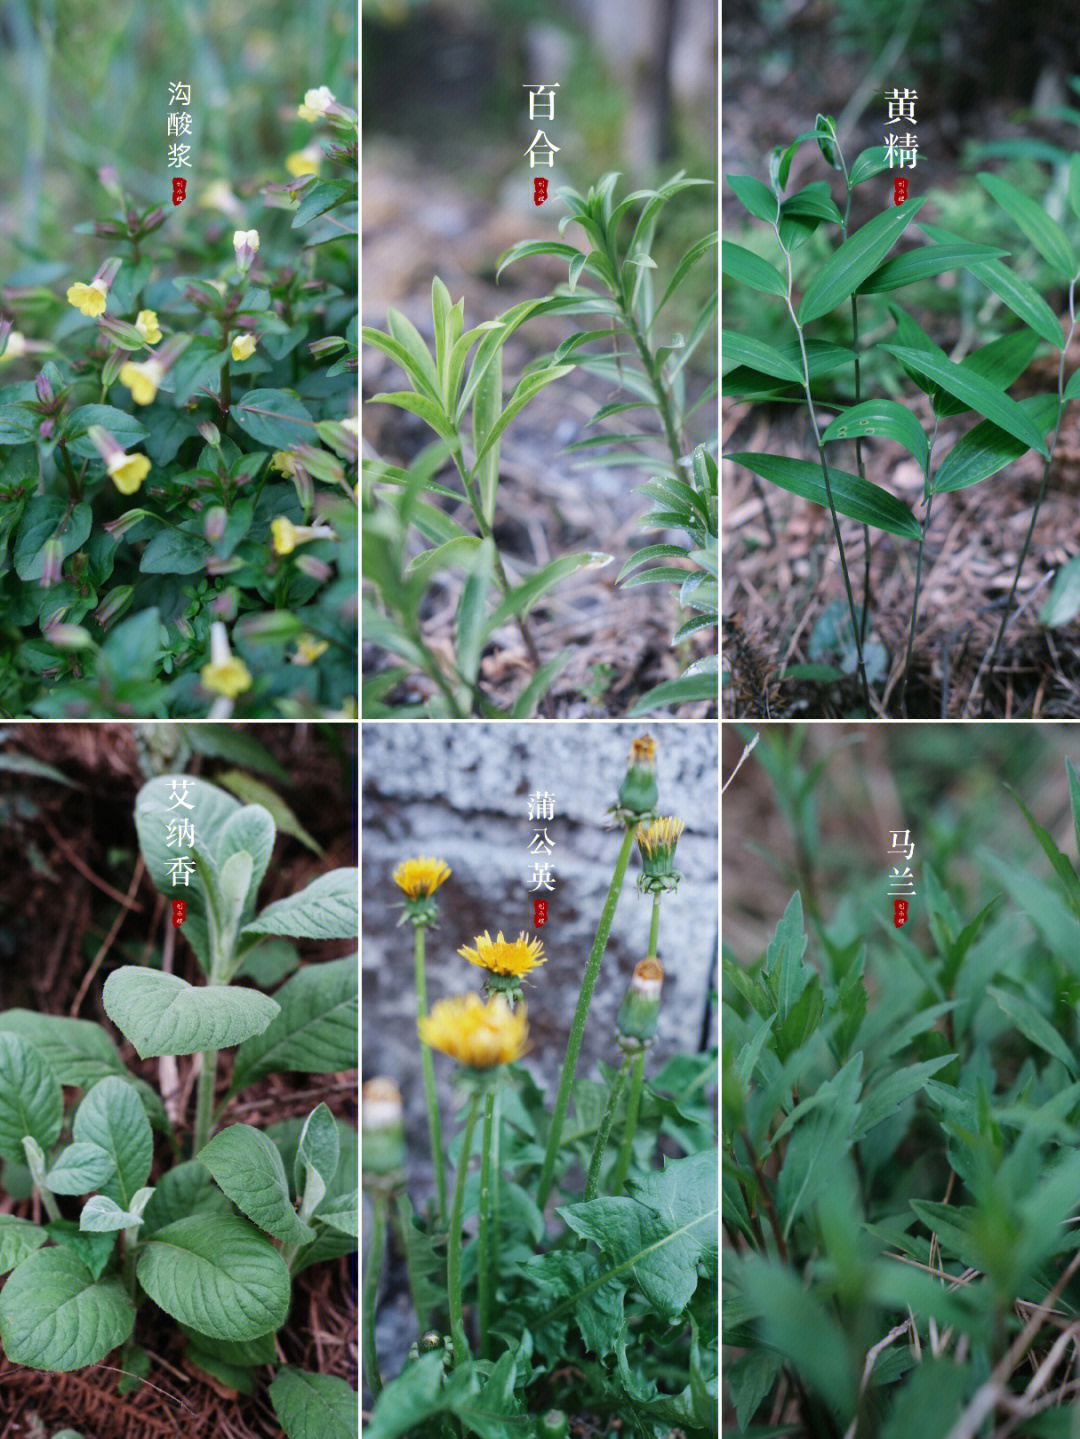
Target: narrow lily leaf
{"x": 1061, "y": 608}
{"x": 744, "y": 350}
{"x": 526, "y": 248}
{"x": 1072, "y": 388}
{"x": 742, "y": 264}
{"x": 846, "y": 268}
{"x": 986, "y": 449}
{"x": 685, "y": 690}
{"x": 429, "y": 410}
{"x": 1001, "y": 362}
{"x": 520, "y": 599}
{"x": 455, "y": 553}
{"x": 881, "y": 417}
{"x": 852, "y": 496}
{"x": 814, "y": 202}
{"x": 695, "y": 252}
{"x": 976, "y": 392}
{"x": 527, "y": 390}
{"x": 755, "y": 197}
{"x": 1022, "y": 299}
{"x": 924, "y": 264}
{"x": 1042, "y": 229}
{"x": 867, "y": 164}
{"x": 539, "y": 685}
{"x": 401, "y": 355}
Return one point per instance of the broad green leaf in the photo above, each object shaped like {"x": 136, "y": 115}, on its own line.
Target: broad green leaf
{"x": 217, "y": 1274}
{"x": 274, "y": 418}
{"x": 857, "y": 257}
{"x": 852, "y": 496}
{"x": 18, "y": 1238}
{"x": 813, "y": 202}
{"x": 174, "y": 552}
{"x": 1063, "y": 602}
{"x": 247, "y": 1167}
{"x": 986, "y": 449}
{"x": 183, "y": 1190}
{"x": 867, "y": 164}
{"x": 527, "y": 390}
{"x": 1072, "y": 387}
{"x": 1042, "y": 229}
{"x": 163, "y": 1014}
{"x": 326, "y": 909}
{"x": 755, "y": 197}
{"x": 48, "y": 517}
{"x": 881, "y": 417}
{"x": 923, "y": 264}
{"x": 316, "y": 1031}
{"x": 1021, "y": 297}
{"x": 314, "y": 1406}
{"x": 30, "y": 1099}
{"x": 1034, "y": 1026}
{"x": 80, "y": 1168}
{"x": 54, "y": 1315}
{"x": 161, "y": 807}
{"x": 320, "y": 196}
{"x": 973, "y": 390}
{"x": 112, "y": 1118}
{"x": 254, "y": 792}
{"x": 102, "y": 1216}
{"x": 127, "y": 429}
{"x": 317, "y": 1156}
{"x": 249, "y": 831}
{"x": 738, "y": 349}
{"x": 342, "y": 1215}
{"x": 521, "y": 598}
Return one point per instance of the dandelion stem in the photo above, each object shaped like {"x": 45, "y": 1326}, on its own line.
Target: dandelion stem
{"x": 489, "y": 1217}
{"x": 581, "y": 1014}
{"x": 604, "y": 1132}
{"x": 633, "y": 1104}
{"x": 434, "y": 1126}
{"x": 453, "y": 1257}
{"x": 371, "y": 1293}
{"x": 654, "y": 927}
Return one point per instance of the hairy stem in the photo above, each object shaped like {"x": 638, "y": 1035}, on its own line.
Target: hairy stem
{"x": 489, "y": 1220}
{"x": 581, "y": 1014}
{"x": 204, "y": 1099}
{"x": 434, "y": 1125}
{"x": 603, "y": 1133}
{"x": 372, "y": 1270}
{"x": 453, "y": 1257}
{"x": 633, "y": 1105}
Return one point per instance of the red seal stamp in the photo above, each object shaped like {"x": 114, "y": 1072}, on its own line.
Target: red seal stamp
{"x": 899, "y": 912}
{"x": 539, "y": 912}
{"x": 179, "y": 191}
{"x": 899, "y": 189}
{"x": 540, "y": 190}
{"x": 179, "y": 910}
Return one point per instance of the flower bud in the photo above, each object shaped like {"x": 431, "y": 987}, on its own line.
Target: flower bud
{"x": 225, "y": 605}
{"x": 314, "y": 568}
{"x": 211, "y": 434}
{"x": 245, "y": 243}
{"x": 68, "y": 637}
{"x": 383, "y": 1126}
{"x": 638, "y": 793}
{"x": 44, "y": 389}
{"x": 217, "y": 517}
{"x": 553, "y": 1425}
{"x": 639, "y": 1012}
{"x": 114, "y": 606}
{"x": 657, "y": 842}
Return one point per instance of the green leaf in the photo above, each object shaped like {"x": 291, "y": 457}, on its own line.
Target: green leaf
{"x": 183, "y": 1190}
{"x": 217, "y": 1274}
{"x": 867, "y": 164}
{"x": 30, "y": 1099}
{"x": 163, "y": 1014}
{"x": 973, "y": 390}
{"x": 320, "y": 196}
{"x": 274, "y": 418}
{"x": 986, "y": 449}
{"x": 53, "y": 1315}
{"x": 17, "y": 426}
{"x": 527, "y": 390}
{"x": 18, "y": 1238}
{"x": 80, "y": 1168}
{"x": 160, "y": 806}
{"x": 881, "y": 417}
{"x": 521, "y": 598}
{"x": 1042, "y": 229}
{"x": 1000, "y": 362}
{"x": 455, "y": 553}
{"x": 813, "y": 202}
{"x": 857, "y": 257}
{"x": 695, "y": 252}
{"x": 687, "y": 689}
{"x": 124, "y": 428}
{"x": 526, "y": 248}
{"x": 738, "y": 349}
{"x": 883, "y": 1101}
{"x": 326, "y": 909}
{"x": 538, "y": 686}
{"x": 755, "y": 197}
{"x": 852, "y": 496}
{"x": 48, "y": 517}
{"x": 422, "y": 375}
{"x": 1064, "y": 870}
{"x": 314, "y": 1406}
{"x": 923, "y": 264}
{"x": 317, "y": 1156}
{"x": 254, "y": 793}
{"x": 1034, "y": 1026}
{"x": 487, "y": 405}
{"x": 174, "y": 552}
{"x": 1074, "y": 185}
{"x": 316, "y": 1031}
{"x": 1021, "y": 297}
{"x": 1063, "y": 602}
{"x": 111, "y": 1117}
{"x": 248, "y": 1168}
{"x": 103, "y": 1216}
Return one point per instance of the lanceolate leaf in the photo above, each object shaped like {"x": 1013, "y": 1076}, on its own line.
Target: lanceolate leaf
{"x": 986, "y": 449}
{"x": 924, "y": 264}
{"x": 1023, "y": 299}
{"x": 1042, "y": 229}
{"x": 847, "y": 267}
{"x": 745, "y": 350}
{"x": 881, "y": 417}
{"x": 742, "y": 264}
{"x": 316, "y": 1031}
{"x": 54, "y": 1315}
{"x": 30, "y": 1099}
{"x": 163, "y": 1014}
{"x": 976, "y": 392}
{"x": 755, "y": 196}
{"x": 852, "y": 496}
{"x": 1001, "y": 362}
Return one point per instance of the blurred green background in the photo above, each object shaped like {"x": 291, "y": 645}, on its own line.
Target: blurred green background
{"x": 85, "y": 84}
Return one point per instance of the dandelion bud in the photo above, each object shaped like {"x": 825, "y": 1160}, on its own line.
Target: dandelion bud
{"x": 639, "y": 1012}
{"x": 383, "y": 1125}
{"x": 657, "y": 842}
{"x": 553, "y": 1425}
{"x": 638, "y": 793}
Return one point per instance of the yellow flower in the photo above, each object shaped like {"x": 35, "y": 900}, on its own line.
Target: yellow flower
{"x": 142, "y": 379}
{"x": 421, "y": 877}
{"x": 89, "y": 299}
{"x": 227, "y": 677}
{"x": 219, "y": 196}
{"x": 146, "y": 322}
{"x": 128, "y": 471}
{"x": 243, "y": 347}
{"x": 316, "y": 103}
{"x": 304, "y": 162}
{"x": 284, "y": 462}
{"x": 505, "y": 956}
{"x": 661, "y": 835}
{"x": 285, "y": 535}
{"x": 474, "y": 1033}
{"x": 643, "y": 750}
{"x": 308, "y": 649}
{"x": 16, "y": 346}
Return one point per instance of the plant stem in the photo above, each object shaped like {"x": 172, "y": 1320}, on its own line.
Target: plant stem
{"x": 434, "y": 1125}
{"x": 581, "y": 1014}
{"x": 371, "y": 1293}
{"x": 654, "y": 927}
{"x": 592, "y": 1180}
{"x": 127, "y": 1245}
{"x": 858, "y": 400}
{"x": 633, "y": 1105}
{"x": 453, "y": 1257}
{"x": 51, "y": 1207}
{"x": 489, "y": 1218}
{"x": 663, "y": 402}
{"x": 1045, "y": 477}
{"x": 825, "y": 475}
{"x": 204, "y": 1100}
{"x": 918, "y": 571}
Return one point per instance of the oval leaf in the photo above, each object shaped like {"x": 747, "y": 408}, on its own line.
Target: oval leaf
{"x": 248, "y": 1168}
{"x": 881, "y": 417}
{"x": 80, "y": 1168}
{"x": 1061, "y": 608}
{"x": 30, "y": 1099}
{"x": 327, "y": 909}
{"x": 846, "y": 268}
{"x": 316, "y": 1031}
{"x": 755, "y": 197}
{"x": 275, "y": 418}
{"x": 313, "y": 1406}
{"x": 54, "y": 1315}
{"x": 111, "y": 1118}
{"x": 163, "y": 1014}
{"x": 852, "y": 496}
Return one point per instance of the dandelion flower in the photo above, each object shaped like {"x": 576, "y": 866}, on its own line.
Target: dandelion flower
{"x": 505, "y": 956}
{"x": 421, "y": 877}
{"x": 89, "y": 299}
{"x": 474, "y": 1033}
{"x": 146, "y": 322}
{"x": 142, "y": 379}
{"x": 316, "y": 103}
{"x": 128, "y": 471}
{"x": 243, "y": 347}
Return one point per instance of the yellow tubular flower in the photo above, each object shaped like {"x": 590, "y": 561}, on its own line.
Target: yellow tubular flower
{"x": 146, "y": 322}
{"x": 243, "y": 347}
{"x": 227, "y": 677}
{"x": 474, "y": 1033}
{"x": 142, "y": 379}
{"x": 308, "y": 649}
{"x": 283, "y": 461}
{"x": 504, "y": 956}
{"x": 421, "y": 877}
{"x": 285, "y": 535}
{"x": 89, "y": 299}
{"x": 128, "y": 471}
{"x": 16, "y": 346}
{"x": 304, "y": 162}
{"x": 316, "y": 103}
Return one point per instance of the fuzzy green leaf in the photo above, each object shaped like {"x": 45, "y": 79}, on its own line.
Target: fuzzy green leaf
{"x": 326, "y": 909}
{"x": 112, "y": 1118}
{"x": 316, "y": 1031}
{"x": 314, "y": 1406}
{"x": 30, "y": 1100}
{"x": 163, "y": 1014}
{"x": 80, "y": 1168}
{"x": 247, "y": 1167}
{"x": 54, "y": 1315}
{"x": 18, "y": 1238}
